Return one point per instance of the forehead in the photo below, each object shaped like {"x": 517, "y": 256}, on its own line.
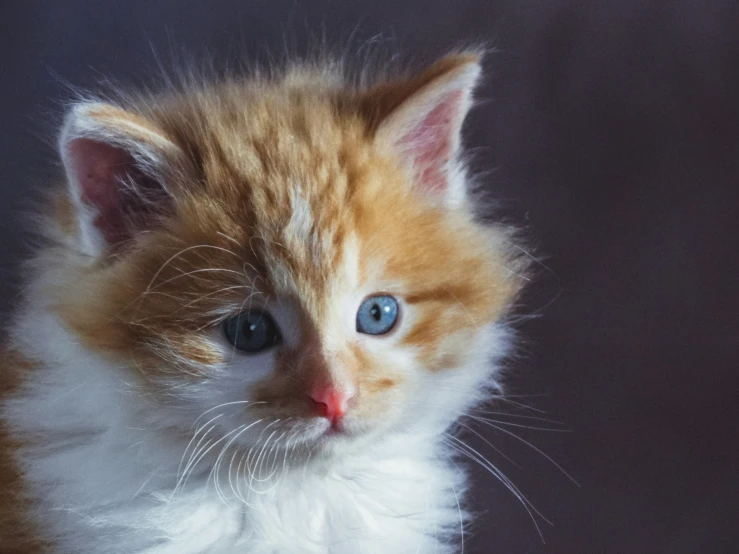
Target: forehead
{"x": 318, "y": 210}
{"x": 290, "y": 182}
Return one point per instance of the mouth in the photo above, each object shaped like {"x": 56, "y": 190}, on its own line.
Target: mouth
{"x": 336, "y": 429}
{"x": 341, "y": 431}
{"x": 323, "y": 431}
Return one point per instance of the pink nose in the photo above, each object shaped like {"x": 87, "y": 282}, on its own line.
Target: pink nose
{"x": 332, "y": 402}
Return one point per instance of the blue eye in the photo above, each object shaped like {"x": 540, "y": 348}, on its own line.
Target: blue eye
{"x": 377, "y": 315}
{"x": 252, "y": 331}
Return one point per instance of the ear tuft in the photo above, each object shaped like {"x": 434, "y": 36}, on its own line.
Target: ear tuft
{"x": 425, "y": 121}
{"x": 116, "y": 164}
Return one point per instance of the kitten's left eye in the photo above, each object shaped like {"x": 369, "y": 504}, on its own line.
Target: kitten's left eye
{"x": 377, "y": 315}
{"x": 252, "y": 331}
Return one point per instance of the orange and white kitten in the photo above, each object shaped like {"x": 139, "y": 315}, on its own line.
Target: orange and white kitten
{"x": 262, "y": 304}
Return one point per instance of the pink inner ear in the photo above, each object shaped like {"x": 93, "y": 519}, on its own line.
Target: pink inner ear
{"x": 99, "y": 169}
{"x": 430, "y": 142}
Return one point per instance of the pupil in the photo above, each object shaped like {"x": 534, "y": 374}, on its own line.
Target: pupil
{"x": 376, "y": 312}
{"x": 250, "y": 329}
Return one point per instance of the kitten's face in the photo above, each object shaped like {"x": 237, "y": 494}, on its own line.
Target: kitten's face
{"x": 298, "y": 283}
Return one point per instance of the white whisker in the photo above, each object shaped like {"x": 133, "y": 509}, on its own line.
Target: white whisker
{"x": 474, "y": 455}
{"x": 510, "y": 424}
{"x": 527, "y": 443}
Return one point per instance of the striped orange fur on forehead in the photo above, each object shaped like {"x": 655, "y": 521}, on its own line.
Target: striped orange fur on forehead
{"x": 193, "y": 205}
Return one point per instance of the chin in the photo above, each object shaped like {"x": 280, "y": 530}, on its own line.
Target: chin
{"x": 331, "y": 441}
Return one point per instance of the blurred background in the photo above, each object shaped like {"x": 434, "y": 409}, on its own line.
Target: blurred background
{"x": 612, "y": 130}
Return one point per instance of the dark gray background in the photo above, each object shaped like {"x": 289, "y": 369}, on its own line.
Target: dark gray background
{"x": 613, "y": 129}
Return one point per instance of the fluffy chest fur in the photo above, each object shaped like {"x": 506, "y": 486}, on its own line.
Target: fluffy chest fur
{"x": 112, "y": 476}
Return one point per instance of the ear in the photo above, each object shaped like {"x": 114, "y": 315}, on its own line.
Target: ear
{"x": 422, "y": 118}
{"x": 117, "y": 164}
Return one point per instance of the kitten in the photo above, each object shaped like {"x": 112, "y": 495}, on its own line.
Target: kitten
{"x": 262, "y": 304}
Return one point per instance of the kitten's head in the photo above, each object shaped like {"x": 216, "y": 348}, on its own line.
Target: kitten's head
{"x": 291, "y": 256}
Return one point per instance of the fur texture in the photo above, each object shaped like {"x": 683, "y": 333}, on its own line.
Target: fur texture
{"x": 132, "y": 425}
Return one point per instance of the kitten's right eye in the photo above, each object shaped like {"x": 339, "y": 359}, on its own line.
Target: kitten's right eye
{"x": 252, "y": 331}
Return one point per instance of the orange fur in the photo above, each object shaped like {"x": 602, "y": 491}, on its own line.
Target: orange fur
{"x": 235, "y": 153}
{"x": 252, "y": 142}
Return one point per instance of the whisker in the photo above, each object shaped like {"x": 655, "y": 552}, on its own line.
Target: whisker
{"x": 510, "y": 424}
{"x": 490, "y": 444}
{"x": 187, "y": 448}
{"x": 536, "y": 449}
{"x": 188, "y": 468}
{"x": 182, "y": 275}
{"x": 180, "y": 253}
{"x": 272, "y": 451}
{"x": 196, "y": 451}
{"x": 215, "y": 471}
{"x": 519, "y": 404}
{"x": 484, "y": 462}
{"x": 287, "y": 449}
{"x": 231, "y": 482}
{"x": 223, "y": 438}
{"x": 518, "y": 416}
{"x": 174, "y": 257}
{"x": 253, "y": 471}
{"x": 242, "y": 402}
{"x": 258, "y": 463}
{"x": 492, "y": 469}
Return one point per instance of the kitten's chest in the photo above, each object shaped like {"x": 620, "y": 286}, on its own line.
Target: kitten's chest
{"x": 371, "y": 506}
{"x": 333, "y": 514}
{"x": 104, "y": 476}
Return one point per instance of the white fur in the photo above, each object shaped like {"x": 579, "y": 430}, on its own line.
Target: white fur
{"x": 105, "y": 472}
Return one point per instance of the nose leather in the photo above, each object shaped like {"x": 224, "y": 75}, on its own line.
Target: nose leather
{"x": 332, "y": 402}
